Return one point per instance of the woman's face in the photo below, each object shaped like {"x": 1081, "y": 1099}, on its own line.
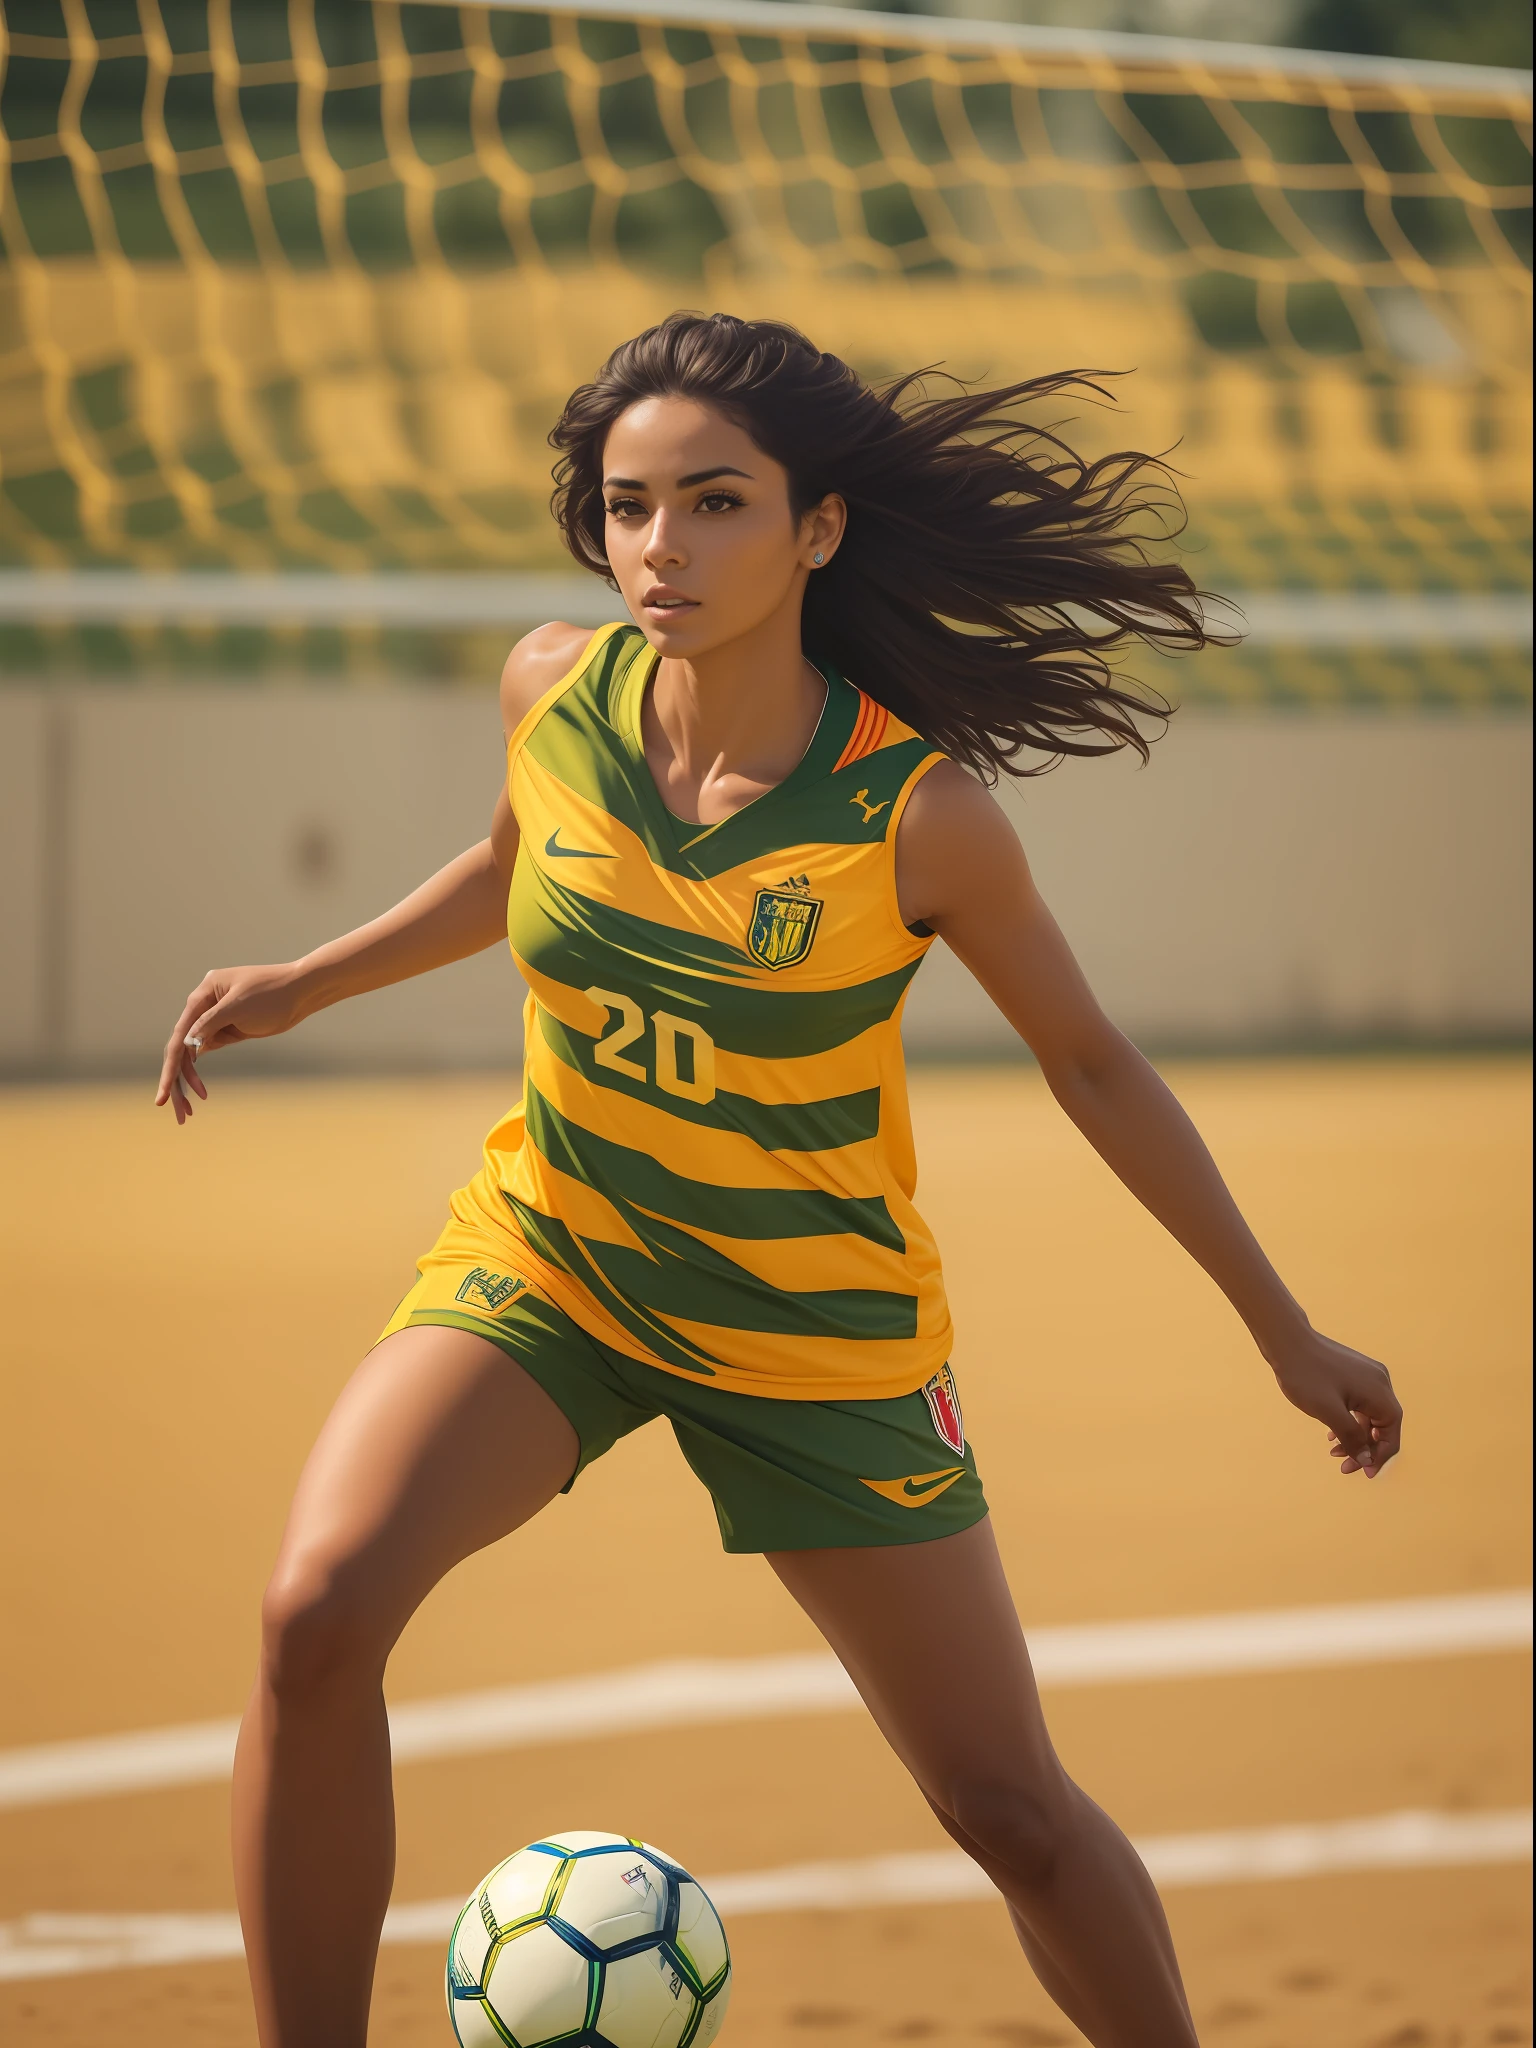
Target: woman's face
{"x": 699, "y": 530}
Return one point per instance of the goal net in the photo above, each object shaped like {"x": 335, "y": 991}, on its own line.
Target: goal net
{"x": 302, "y": 283}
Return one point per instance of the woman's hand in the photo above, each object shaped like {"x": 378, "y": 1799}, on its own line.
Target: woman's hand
{"x": 1348, "y": 1392}
{"x": 460, "y": 910}
{"x": 228, "y": 1005}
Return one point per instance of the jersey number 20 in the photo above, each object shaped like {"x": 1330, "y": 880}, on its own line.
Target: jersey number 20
{"x": 667, "y": 1030}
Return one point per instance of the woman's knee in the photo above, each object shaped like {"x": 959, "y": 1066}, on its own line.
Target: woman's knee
{"x": 1019, "y": 1826}
{"x": 319, "y": 1628}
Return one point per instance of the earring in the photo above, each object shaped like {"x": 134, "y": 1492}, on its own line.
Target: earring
{"x": 818, "y": 560}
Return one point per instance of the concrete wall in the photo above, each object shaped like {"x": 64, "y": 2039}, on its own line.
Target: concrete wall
{"x": 1266, "y": 880}
{"x": 1275, "y": 879}
{"x": 196, "y": 828}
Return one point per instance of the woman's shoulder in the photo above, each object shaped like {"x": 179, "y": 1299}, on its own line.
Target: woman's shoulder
{"x": 954, "y": 813}
{"x": 549, "y": 661}
{"x": 540, "y": 659}
{"x": 954, "y": 837}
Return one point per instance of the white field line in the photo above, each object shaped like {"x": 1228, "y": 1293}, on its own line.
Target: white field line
{"x": 692, "y": 1692}
{"x": 72, "y": 1944}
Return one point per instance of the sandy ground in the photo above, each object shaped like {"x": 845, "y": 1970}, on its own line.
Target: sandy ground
{"x": 182, "y": 1308}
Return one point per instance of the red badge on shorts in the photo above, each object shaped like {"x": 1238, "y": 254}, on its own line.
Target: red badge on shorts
{"x": 944, "y": 1407}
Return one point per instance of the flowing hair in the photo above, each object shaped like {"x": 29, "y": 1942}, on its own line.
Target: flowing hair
{"x": 986, "y": 571}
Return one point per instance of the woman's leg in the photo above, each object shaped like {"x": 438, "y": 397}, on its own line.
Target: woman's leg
{"x": 439, "y": 1445}
{"x": 929, "y": 1635}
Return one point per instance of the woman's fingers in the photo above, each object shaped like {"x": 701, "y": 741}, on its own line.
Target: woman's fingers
{"x": 1351, "y": 1395}
{"x": 1387, "y": 1425}
{"x": 1352, "y": 1436}
{"x": 228, "y": 1006}
{"x": 178, "y": 1100}
{"x": 171, "y": 1064}
{"x": 211, "y": 1031}
{"x": 1369, "y": 1435}
{"x": 188, "y": 1081}
{"x": 1376, "y": 1411}
{"x": 190, "y": 1036}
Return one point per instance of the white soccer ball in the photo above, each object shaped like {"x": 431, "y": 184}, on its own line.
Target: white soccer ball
{"x": 591, "y": 1941}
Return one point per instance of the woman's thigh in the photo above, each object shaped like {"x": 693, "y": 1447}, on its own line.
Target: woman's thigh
{"x": 929, "y": 1634}
{"x": 438, "y": 1445}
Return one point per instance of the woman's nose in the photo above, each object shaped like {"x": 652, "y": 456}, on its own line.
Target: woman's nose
{"x": 663, "y": 545}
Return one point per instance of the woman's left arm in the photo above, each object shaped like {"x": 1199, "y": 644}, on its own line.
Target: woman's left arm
{"x": 960, "y": 869}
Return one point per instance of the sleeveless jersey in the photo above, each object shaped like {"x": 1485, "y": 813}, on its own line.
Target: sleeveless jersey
{"x": 711, "y": 1168}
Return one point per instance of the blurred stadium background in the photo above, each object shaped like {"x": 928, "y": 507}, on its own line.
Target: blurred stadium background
{"x": 292, "y": 290}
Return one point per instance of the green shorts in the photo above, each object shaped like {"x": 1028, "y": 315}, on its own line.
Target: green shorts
{"x": 784, "y": 1475}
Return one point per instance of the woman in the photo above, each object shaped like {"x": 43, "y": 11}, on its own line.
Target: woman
{"x": 727, "y": 837}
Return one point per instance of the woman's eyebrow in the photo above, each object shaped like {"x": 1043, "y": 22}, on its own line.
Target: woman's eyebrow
{"x": 684, "y": 483}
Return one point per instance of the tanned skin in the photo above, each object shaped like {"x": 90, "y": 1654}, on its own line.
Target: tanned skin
{"x": 440, "y": 1444}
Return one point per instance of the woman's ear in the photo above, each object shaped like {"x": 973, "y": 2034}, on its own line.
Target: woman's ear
{"x": 823, "y": 527}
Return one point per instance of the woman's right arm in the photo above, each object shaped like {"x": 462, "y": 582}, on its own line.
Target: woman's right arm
{"x": 461, "y": 910}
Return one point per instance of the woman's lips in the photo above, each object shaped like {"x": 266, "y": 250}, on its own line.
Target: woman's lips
{"x": 668, "y": 602}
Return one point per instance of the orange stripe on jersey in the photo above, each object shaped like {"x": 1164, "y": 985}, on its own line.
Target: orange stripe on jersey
{"x": 868, "y": 731}
{"x": 851, "y": 748}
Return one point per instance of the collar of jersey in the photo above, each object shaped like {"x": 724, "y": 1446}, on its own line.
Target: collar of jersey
{"x": 833, "y": 730}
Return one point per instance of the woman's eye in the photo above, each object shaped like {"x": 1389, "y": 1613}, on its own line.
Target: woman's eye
{"x": 624, "y": 508}
{"x": 719, "y": 501}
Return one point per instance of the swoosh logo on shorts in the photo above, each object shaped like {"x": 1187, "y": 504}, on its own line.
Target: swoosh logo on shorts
{"x": 919, "y": 1488}
{"x": 570, "y": 852}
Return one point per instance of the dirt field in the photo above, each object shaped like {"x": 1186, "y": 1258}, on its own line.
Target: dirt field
{"x": 183, "y": 1307}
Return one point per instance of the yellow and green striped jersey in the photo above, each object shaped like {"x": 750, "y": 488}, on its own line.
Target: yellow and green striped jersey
{"x": 711, "y": 1167}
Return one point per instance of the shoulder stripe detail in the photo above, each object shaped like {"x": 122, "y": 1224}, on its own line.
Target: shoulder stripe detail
{"x": 868, "y": 731}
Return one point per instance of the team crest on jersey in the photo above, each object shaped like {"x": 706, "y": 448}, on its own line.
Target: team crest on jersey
{"x": 944, "y": 1406}
{"x": 784, "y": 922}
{"x": 484, "y": 1289}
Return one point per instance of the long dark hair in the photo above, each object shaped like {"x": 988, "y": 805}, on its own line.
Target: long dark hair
{"x": 986, "y": 571}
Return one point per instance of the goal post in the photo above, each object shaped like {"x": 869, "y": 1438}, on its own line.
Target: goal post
{"x": 298, "y": 285}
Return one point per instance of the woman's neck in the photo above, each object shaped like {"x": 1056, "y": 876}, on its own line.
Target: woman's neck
{"x": 722, "y": 730}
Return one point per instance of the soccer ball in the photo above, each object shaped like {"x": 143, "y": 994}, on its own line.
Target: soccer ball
{"x": 589, "y": 1941}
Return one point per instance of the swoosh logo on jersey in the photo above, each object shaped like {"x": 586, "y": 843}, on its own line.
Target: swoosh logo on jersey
{"x": 570, "y": 852}
{"x": 919, "y": 1488}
